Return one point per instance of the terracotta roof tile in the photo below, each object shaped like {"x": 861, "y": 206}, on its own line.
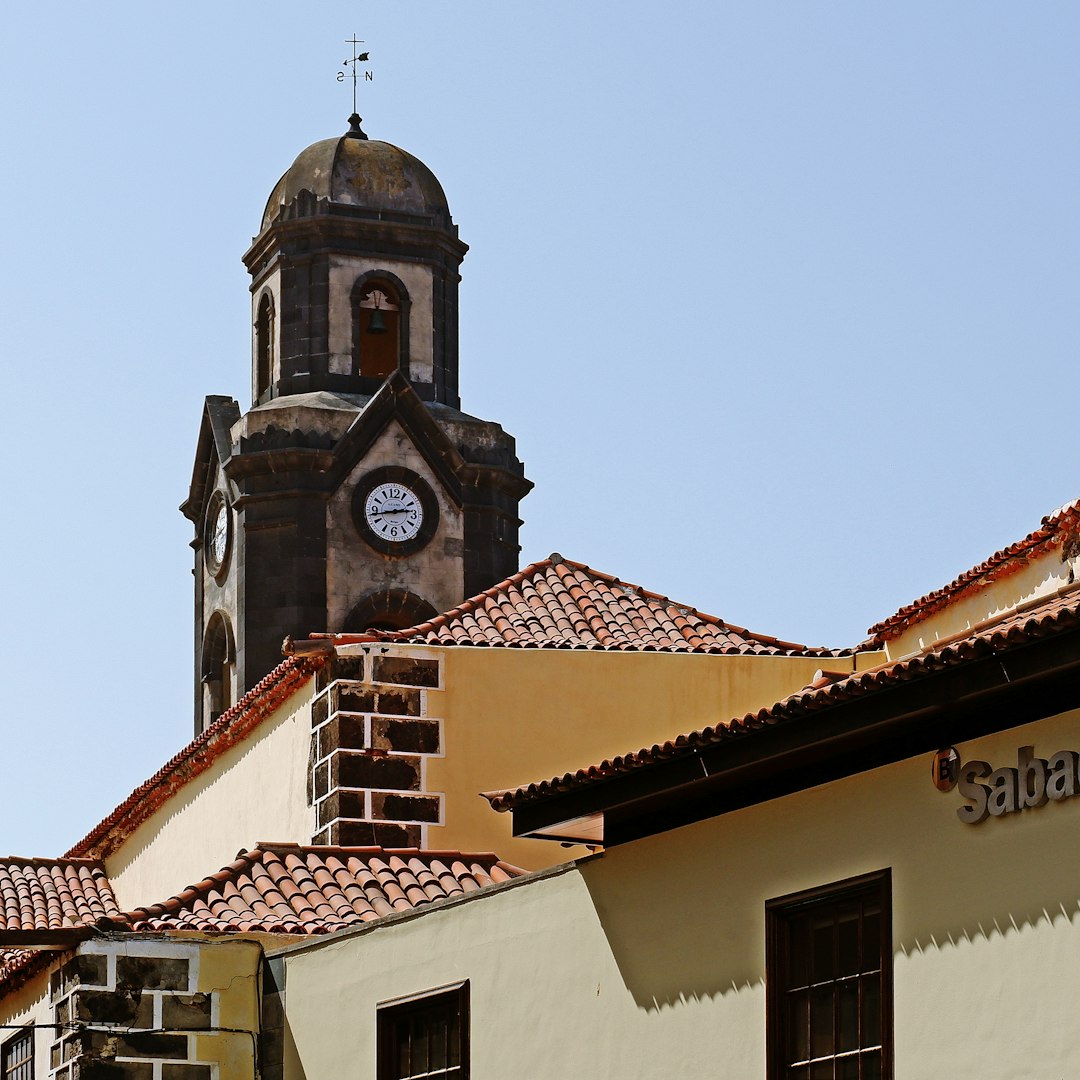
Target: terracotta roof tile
{"x": 54, "y": 894}
{"x": 287, "y": 889}
{"x": 559, "y": 604}
{"x": 1057, "y": 528}
{"x": 19, "y": 965}
{"x": 1029, "y": 622}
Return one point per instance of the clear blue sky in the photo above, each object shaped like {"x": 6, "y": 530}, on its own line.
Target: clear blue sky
{"x": 779, "y": 300}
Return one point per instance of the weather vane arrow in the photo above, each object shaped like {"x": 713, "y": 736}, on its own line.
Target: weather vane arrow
{"x": 357, "y": 58}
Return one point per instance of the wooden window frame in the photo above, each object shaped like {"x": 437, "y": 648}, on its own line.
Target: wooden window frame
{"x": 23, "y": 1068}
{"x": 778, "y": 915}
{"x": 454, "y": 997}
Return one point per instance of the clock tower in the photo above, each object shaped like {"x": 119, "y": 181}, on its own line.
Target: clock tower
{"x": 354, "y": 492}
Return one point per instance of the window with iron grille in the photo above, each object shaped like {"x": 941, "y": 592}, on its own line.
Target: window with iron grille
{"x": 829, "y": 982}
{"x": 17, "y": 1056}
{"x": 425, "y": 1036}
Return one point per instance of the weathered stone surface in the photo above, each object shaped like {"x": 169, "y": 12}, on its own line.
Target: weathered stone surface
{"x": 85, "y": 968}
{"x": 321, "y": 780}
{"x": 342, "y": 804}
{"x": 343, "y": 731}
{"x": 398, "y": 702}
{"x": 406, "y": 670}
{"x": 128, "y": 1007}
{"x": 389, "y": 806}
{"x": 349, "y": 667}
{"x": 320, "y": 709}
{"x": 361, "y": 770}
{"x": 171, "y": 1071}
{"x": 152, "y": 972}
{"x": 358, "y": 699}
{"x": 182, "y": 1011}
{"x": 142, "y": 1044}
{"x": 414, "y": 736}
{"x": 91, "y": 1069}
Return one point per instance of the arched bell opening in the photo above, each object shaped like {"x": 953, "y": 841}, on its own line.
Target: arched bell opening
{"x": 264, "y": 346}
{"x": 380, "y": 305}
{"x": 388, "y": 609}
{"x": 218, "y": 663}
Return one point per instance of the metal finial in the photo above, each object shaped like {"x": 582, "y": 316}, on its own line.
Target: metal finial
{"x": 354, "y": 131}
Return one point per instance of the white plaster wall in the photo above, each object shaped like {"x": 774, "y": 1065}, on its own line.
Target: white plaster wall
{"x": 255, "y": 792}
{"x": 649, "y": 960}
{"x": 353, "y": 569}
{"x": 344, "y": 270}
{"x": 30, "y": 1005}
{"x": 1040, "y": 577}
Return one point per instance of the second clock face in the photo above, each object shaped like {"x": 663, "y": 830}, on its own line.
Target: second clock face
{"x": 217, "y": 535}
{"x": 393, "y": 512}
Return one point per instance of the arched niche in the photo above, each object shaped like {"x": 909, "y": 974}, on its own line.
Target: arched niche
{"x": 388, "y": 609}
{"x": 380, "y": 318}
{"x": 264, "y": 346}
{"x": 218, "y": 659}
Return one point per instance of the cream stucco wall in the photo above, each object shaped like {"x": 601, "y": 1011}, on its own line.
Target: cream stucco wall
{"x": 253, "y": 792}
{"x": 30, "y": 1005}
{"x": 1040, "y": 577}
{"x": 649, "y": 960}
{"x": 514, "y": 716}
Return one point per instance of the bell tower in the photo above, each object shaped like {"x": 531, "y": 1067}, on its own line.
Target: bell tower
{"x": 353, "y": 492}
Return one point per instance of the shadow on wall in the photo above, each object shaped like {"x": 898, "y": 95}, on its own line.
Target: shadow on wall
{"x": 684, "y": 912}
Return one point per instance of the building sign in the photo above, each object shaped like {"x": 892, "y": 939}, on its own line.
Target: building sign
{"x": 1034, "y": 782}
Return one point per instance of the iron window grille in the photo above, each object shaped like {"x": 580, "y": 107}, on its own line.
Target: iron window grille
{"x": 829, "y": 982}
{"x": 425, "y": 1036}
{"x": 17, "y": 1056}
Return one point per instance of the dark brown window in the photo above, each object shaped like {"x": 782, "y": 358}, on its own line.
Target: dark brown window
{"x": 829, "y": 982}
{"x": 17, "y": 1056}
{"x": 425, "y": 1036}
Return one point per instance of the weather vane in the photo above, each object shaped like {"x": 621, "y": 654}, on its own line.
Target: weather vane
{"x": 355, "y": 58}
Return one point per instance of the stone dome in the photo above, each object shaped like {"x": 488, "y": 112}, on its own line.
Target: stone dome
{"x": 376, "y": 178}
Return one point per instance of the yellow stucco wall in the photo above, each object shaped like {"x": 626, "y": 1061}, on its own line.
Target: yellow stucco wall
{"x": 228, "y": 971}
{"x": 649, "y": 960}
{"x": 254, "y": 792}
{"x": 513, "y": 716}
{"x": 1040, "y": 577}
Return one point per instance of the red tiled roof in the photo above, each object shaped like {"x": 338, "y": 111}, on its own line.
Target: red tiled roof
{"x": 288, "y": 889}
{"x": 559, "y": 604}
{"x": 1029, "y": 622}
{"x": 19, "y": 965}
{"x": 1056, "y": 528}
{"x": 231, "y": 728}
{"x": 53, "y": 894}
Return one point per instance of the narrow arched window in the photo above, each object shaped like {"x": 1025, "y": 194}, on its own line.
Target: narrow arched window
{"x": 218, "y": 660}
{"x": 264, "y": 346}
{"x": 378, "y": 329}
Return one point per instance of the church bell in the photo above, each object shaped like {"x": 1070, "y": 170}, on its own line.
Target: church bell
{"x": 377, "y": 325}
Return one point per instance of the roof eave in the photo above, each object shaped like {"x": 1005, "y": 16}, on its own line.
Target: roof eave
{"x": 967, "y": 700}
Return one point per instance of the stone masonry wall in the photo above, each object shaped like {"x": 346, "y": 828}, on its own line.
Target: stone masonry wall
{"x": 371, "y": 734}
{"x": 132, "y": 1010}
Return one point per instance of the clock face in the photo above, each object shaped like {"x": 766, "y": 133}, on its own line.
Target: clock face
{"x": 393, "y": 512}
{"x": 217, "y": 535}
